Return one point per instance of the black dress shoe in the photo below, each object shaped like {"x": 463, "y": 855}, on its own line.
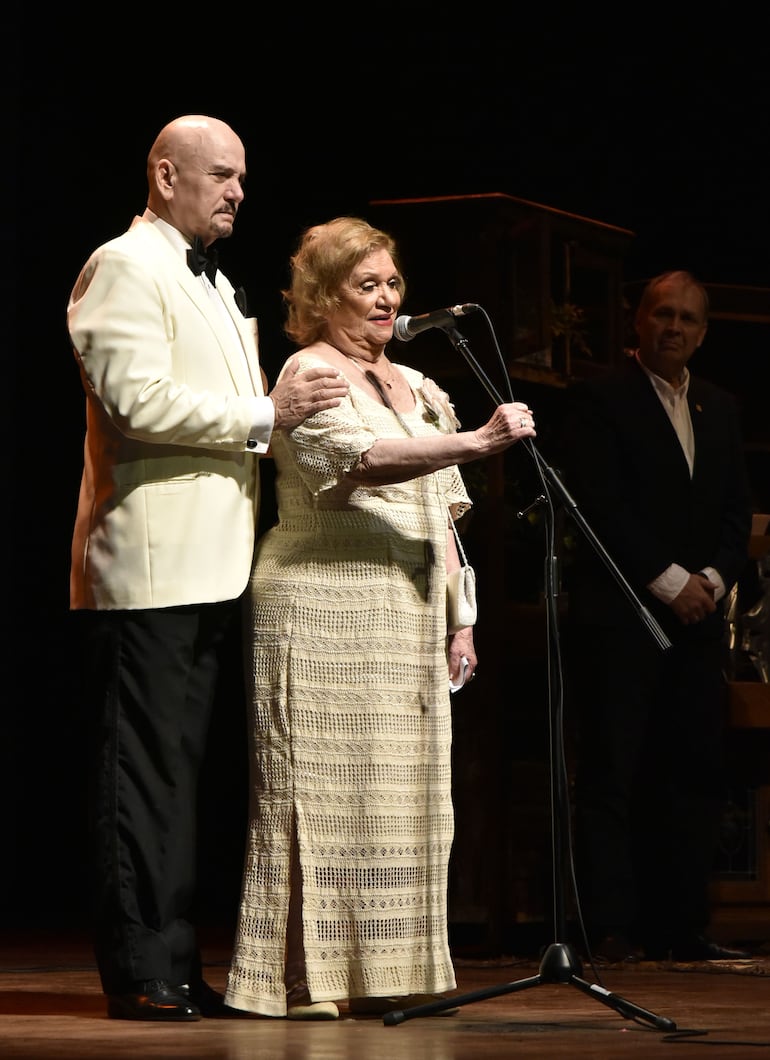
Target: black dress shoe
{"x": 699, "y": 948}
{"x": 210, "y": 1002}
{"x": 207, "y": 1000}
{"x": 155, "y": 1000}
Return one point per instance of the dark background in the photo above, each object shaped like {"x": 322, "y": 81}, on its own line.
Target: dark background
{"x": 644, "y": 118}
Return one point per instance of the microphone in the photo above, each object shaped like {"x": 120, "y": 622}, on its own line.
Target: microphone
{"x": 406, "y": 328}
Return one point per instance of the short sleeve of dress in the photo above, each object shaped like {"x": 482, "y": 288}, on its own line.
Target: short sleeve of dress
{"x": 328, "y": 444}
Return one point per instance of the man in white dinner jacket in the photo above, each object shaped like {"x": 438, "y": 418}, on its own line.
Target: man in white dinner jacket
{"x": 164, "y": 533}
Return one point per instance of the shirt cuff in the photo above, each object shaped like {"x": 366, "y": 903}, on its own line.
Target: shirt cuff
{"x": 263, "y": 419}
{"x": 715, "y": 578}
{"x": 670, "y": 583}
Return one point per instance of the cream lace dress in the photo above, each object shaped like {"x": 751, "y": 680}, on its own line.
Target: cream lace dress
{"x": 349, "y": 716}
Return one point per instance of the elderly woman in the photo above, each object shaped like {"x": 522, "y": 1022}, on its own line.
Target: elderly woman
{"x": 351, "y": 824}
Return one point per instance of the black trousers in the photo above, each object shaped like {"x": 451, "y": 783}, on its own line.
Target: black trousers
{"x": 650, "y": 783}
{"x": 149, "y": 681}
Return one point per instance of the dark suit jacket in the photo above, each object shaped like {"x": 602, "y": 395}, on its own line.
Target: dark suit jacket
{"x": 625, "y": 469}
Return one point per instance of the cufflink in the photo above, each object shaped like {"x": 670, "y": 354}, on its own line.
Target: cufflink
{"x": 251, "y": 444}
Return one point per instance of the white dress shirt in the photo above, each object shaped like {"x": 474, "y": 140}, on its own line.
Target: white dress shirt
{"x": 674, "y": 400}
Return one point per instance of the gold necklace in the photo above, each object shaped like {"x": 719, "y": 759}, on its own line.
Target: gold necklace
{"x": 369, "y": 371}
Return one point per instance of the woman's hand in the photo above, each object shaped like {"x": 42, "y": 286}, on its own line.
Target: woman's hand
{"x": 460, "y": 645}
{"x": 508, "y": 424}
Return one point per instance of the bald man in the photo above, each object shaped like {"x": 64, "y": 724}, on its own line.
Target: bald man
{"x": 177, "y": 416}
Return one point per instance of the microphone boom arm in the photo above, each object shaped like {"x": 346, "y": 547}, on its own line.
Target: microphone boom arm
{"x": 460, "y": 343}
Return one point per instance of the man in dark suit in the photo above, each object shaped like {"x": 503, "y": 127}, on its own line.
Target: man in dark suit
{"x": 653, "y": 457}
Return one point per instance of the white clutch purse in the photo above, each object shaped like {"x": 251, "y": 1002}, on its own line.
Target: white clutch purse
{"x": 461, "y": 608}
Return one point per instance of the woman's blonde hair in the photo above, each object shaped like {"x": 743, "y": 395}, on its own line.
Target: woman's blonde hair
{"x": 325, "y": 258}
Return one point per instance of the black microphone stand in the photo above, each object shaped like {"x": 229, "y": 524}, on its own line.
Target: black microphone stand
{"x": 559, "y": 963}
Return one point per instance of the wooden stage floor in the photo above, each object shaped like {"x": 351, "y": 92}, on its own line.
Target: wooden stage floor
{"x": 51, "y": 1007}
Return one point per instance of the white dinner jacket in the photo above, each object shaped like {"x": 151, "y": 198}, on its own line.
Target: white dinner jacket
{"x": 169, "y": 493}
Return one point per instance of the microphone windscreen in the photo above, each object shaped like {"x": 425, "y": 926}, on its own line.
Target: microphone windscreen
{"x": 401, "y": 329}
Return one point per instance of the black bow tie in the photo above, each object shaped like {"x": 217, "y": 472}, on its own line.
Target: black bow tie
{"x": 200, "y": 261}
